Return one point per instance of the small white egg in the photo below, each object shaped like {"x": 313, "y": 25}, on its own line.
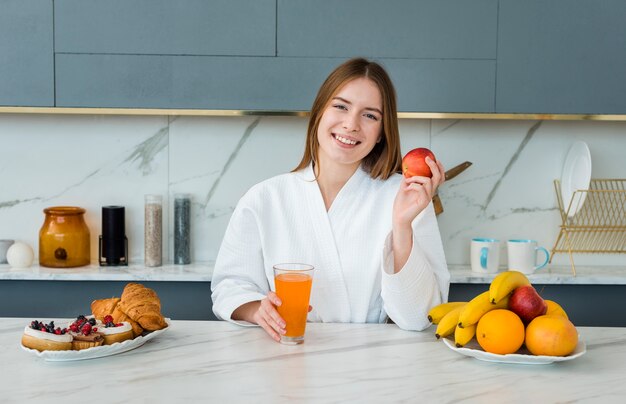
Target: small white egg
{"x": 20, "y": 255}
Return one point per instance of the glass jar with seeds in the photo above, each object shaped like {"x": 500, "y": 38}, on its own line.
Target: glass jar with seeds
{"x": 153, "y": 230}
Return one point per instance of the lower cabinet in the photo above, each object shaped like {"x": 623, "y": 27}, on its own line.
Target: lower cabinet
{"x": 586, "y": 305}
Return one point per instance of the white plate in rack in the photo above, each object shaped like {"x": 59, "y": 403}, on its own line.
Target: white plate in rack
{"x": 99, "y": 351}
{"x": 576, "y": 176}
{"x": 521, "y": 357}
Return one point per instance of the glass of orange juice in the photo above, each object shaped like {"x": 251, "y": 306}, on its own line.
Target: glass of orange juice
{"x": 293, "y": 287}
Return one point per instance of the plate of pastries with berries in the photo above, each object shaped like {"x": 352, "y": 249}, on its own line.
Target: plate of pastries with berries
{"x": 117, "y": 325}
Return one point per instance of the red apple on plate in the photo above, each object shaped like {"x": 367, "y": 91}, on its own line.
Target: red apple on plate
{"x": 527, "y": 304}
{"x": 414, "y": 163}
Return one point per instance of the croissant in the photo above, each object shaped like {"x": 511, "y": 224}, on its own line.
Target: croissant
{"x": 142, "y": 305}
{"x": 119, "y": 316}
{"x": 104, "y": 307}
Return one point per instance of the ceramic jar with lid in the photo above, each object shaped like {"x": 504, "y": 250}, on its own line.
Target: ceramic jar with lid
{"x": 64, "y": 238}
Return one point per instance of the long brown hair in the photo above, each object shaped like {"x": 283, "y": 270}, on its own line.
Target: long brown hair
{"x": 385, "y": 158}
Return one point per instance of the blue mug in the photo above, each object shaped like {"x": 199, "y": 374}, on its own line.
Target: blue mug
{"x": 485, "y": 255}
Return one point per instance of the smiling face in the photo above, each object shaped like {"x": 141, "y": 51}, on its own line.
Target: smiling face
{"x": 351, "y": 125}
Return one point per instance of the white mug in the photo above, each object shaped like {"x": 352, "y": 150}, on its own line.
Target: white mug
{"x": 485, "y": 255}
{"x": 523, "y": 256}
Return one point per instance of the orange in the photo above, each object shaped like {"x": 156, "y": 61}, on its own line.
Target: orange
{"x": 500, "y": 331}
{"x": 555, "y": 308}
{"x": 552, "y": 335}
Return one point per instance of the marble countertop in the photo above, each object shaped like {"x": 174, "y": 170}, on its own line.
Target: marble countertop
{"x": 222, "y": 362}
{"x": 194, "y": 272}
{"x": 551, "y": 274}
{"x": 203, "y": 271}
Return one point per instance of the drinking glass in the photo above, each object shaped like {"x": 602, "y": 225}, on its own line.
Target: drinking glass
{"x": 293, "y": 286}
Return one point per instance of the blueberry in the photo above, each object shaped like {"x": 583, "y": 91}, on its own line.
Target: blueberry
{"x": 92, "y": 321}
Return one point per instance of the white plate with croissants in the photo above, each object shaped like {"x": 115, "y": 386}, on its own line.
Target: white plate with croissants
{"x": 118, "y": 324}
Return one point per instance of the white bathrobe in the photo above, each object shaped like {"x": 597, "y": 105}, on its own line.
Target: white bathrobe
{"x": 283, "y": 219}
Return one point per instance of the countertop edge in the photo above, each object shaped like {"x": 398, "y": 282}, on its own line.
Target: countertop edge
{"x": 203, "y": 272}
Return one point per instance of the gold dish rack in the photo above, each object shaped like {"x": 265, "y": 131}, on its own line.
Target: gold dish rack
{"x": 599, "y": 222}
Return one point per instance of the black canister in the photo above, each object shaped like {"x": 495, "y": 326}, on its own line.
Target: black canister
{"x": 113, "y": 242}
{"x": 182, "y": 230}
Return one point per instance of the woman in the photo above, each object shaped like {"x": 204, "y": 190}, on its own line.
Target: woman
{"x": 371, "y": 234}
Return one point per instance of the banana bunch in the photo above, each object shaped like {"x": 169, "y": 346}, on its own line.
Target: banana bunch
{"x": 448, "y": 323}
{"x": 505, "y": 283}
{"x": 461, "y": 318}
{"x": 477, "y": 307}
{"x": 436, "y": 313}
{"x": 464, "y": 335}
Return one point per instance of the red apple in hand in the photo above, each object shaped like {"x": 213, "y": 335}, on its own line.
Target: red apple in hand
{"x": 527, "y": 304}
{"x": 414, "y": 163}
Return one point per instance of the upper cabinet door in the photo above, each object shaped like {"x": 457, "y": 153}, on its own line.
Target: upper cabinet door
{"x": 166, "y": 27}
{"x": 26, "y": 53}
{"x": 562, "y": 56}
{"x": 408, "y": 29}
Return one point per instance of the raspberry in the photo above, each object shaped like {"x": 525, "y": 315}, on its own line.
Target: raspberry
{"x": 57, "y": 331}
{"x": 108, "y": 319}
{"x": 94, "y": 329}
{"x": 73, "y": 327}
{"x": 86, "y": 329}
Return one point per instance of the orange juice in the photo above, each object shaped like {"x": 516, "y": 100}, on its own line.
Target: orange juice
{"x": 294, "y": 290}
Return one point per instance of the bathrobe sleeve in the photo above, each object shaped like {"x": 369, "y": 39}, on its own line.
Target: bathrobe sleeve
{"x": 239, "y": 276}
{"x": 424, "y": 280}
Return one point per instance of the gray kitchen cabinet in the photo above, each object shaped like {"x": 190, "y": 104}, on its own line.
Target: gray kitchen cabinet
{"x": 208, "y": 82}
{"x": 452, "y": 29}
{"x": 26, "y": 53}
{"x": 165, "y": 27}
{"x": 201, "y": 82}
{"x": 106, "y": 61}
{"x": 562, "y": 56}
{"x": 454, "y": 56}
{"x": 47, "y": 299}
{"x": 443, "y": 85}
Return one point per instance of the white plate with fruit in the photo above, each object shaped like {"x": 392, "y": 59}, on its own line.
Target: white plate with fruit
{"x": 523, "y": 356}
{"x": 509, "y": 323}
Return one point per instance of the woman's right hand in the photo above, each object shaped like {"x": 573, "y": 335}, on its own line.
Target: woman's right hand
{"x": 263, "y": 312}
{"x": 267, "y": 316}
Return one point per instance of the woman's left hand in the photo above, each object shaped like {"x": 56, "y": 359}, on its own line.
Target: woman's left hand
{"x": 415, "y": 194}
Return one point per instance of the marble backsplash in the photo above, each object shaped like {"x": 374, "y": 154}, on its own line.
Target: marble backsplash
{"x": 94, "y": 161}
